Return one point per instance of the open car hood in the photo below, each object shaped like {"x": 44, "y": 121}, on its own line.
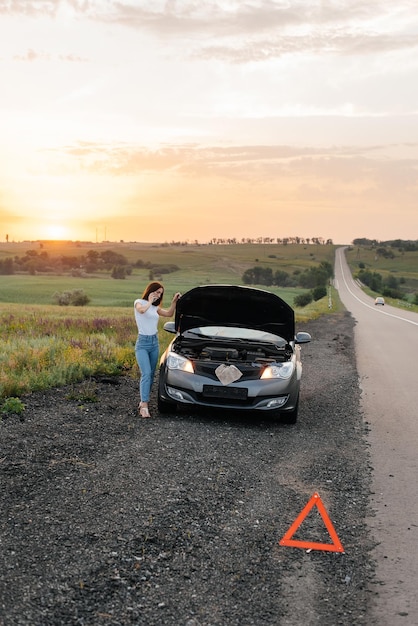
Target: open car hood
{"x": 232, "y": 305}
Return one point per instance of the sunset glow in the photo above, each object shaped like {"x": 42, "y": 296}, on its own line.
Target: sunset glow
{"x": 159, "y": 121}
{"x": 57, "y": 232}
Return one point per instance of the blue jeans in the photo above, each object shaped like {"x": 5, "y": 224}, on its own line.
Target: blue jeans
{"x": 146, "y": 351}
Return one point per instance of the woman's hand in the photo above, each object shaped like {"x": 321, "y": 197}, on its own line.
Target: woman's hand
{"x": 176, "y": 297}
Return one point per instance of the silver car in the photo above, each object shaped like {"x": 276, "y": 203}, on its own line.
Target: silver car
{"x": 235, "y": 348}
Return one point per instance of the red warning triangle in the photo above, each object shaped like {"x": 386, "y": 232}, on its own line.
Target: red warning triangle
{"x": 331, "y": 547}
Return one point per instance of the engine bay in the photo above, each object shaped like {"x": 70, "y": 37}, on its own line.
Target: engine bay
{"x": 232, "y": 351}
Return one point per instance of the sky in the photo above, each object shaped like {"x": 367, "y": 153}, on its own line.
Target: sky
{"x": 185, "y": 120}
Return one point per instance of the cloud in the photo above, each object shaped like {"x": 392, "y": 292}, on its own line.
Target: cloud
{"x": 246, "y": 32}
{"x": 323, "y": 43}
{"x": 225, "y": 18}
{"x": 29, "y": 8}
{"x": 237, "y": 18}
{"x": 349, "y": 170}
{"x": 32, "y": 55}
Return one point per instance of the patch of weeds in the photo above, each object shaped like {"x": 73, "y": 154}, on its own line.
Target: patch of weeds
{"x": 84, "y": 392}
{"x": 12, "y": 406}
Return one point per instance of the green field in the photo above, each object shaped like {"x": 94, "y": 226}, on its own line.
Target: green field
{"x": 198, "y": 265}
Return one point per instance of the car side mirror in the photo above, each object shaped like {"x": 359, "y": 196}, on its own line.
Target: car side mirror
{"x": 170, "y": 327}
{"x": 302, "y": 337}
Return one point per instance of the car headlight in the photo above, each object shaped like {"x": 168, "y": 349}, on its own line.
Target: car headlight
{"x": 278, "y": 370}
{"x": 177, "y": 362}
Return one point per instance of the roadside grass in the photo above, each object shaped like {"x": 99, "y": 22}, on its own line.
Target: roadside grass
{"x": 42, "y": 347}
{"x": 406, "y": 305}
{"x": 50, "y": 346}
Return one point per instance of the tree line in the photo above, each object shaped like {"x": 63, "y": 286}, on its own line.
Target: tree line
{"x": 34, "y": 262}
{"x": 284, "y": 241}
{"x": 408, "y": 245}
{"x": 315, "y": 279}
{"x": 388, "y": 286}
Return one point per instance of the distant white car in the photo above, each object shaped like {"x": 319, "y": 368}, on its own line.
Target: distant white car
{"x": 379, "y": 301}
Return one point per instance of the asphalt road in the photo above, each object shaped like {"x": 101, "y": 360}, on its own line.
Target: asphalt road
{"x": 386, "y": 342}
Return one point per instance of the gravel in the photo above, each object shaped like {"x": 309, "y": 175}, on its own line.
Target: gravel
{"x": 106, "y": 518}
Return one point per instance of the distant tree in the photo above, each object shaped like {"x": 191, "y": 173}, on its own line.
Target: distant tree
{"x": 314, "y": 277}
{"x": 391, "y": 282}
{"x": 282, "y": 278}
{"x": 319, "y": 292}
{"x": 118, "y": 272}
{"x": 7, "y": 266}
{"x": 111, "y": 258}
{"x": 363, "y": 241}
{"x": 387, "y": 254}
{"x": 391, "y": 287}
{"x": 258, "y": 276}
{"x": 303, "y": 299}
{"x": 371, "y": 279}
{"x": 70, "y": 261}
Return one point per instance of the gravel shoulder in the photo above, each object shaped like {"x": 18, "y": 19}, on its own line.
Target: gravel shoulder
{"x": 106, "y": 518}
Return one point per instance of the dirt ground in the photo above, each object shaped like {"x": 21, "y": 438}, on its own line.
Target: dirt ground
{"x": 107, "y": 518}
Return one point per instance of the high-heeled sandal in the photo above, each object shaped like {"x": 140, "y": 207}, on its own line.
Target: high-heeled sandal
{"x": 143, "y": 411}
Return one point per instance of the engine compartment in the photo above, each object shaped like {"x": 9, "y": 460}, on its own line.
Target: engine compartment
{"x": 222, "y": 351}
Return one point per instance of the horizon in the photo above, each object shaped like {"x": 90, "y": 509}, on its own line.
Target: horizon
{"x": 315, "y": 241}
{"x": 174, "y": 121}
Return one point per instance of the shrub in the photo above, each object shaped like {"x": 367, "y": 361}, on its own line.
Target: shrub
{"x": 371, "y": 279}
{"x": 281, "y": 278}
{"x": 319, "y": 292}
{"x": 7, "y": 266}
{"x": 119, "y": 272}
{"x": 316, "y": 276}
{"x": 393, "y": 293}
{"x": 12, "y": 406}
{"x": 258, "y": 276}
{"x": 76, "y": 297}
{"x": 303, "y": 299}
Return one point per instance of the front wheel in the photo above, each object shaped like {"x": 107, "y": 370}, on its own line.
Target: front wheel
{"x": 290, "y": 417}
{"x": 164, "y": 406}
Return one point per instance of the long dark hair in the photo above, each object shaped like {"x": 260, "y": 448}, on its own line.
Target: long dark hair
{"x": 153, "y": 286}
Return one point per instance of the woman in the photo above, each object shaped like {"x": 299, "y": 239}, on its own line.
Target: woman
{"x": 147, "y": 312}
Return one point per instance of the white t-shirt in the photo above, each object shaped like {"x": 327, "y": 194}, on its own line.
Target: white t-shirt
{"x": 147, "y": 322}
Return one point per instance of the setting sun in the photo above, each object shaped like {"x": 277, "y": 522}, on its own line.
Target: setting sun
{"x": 54, "y": 231}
